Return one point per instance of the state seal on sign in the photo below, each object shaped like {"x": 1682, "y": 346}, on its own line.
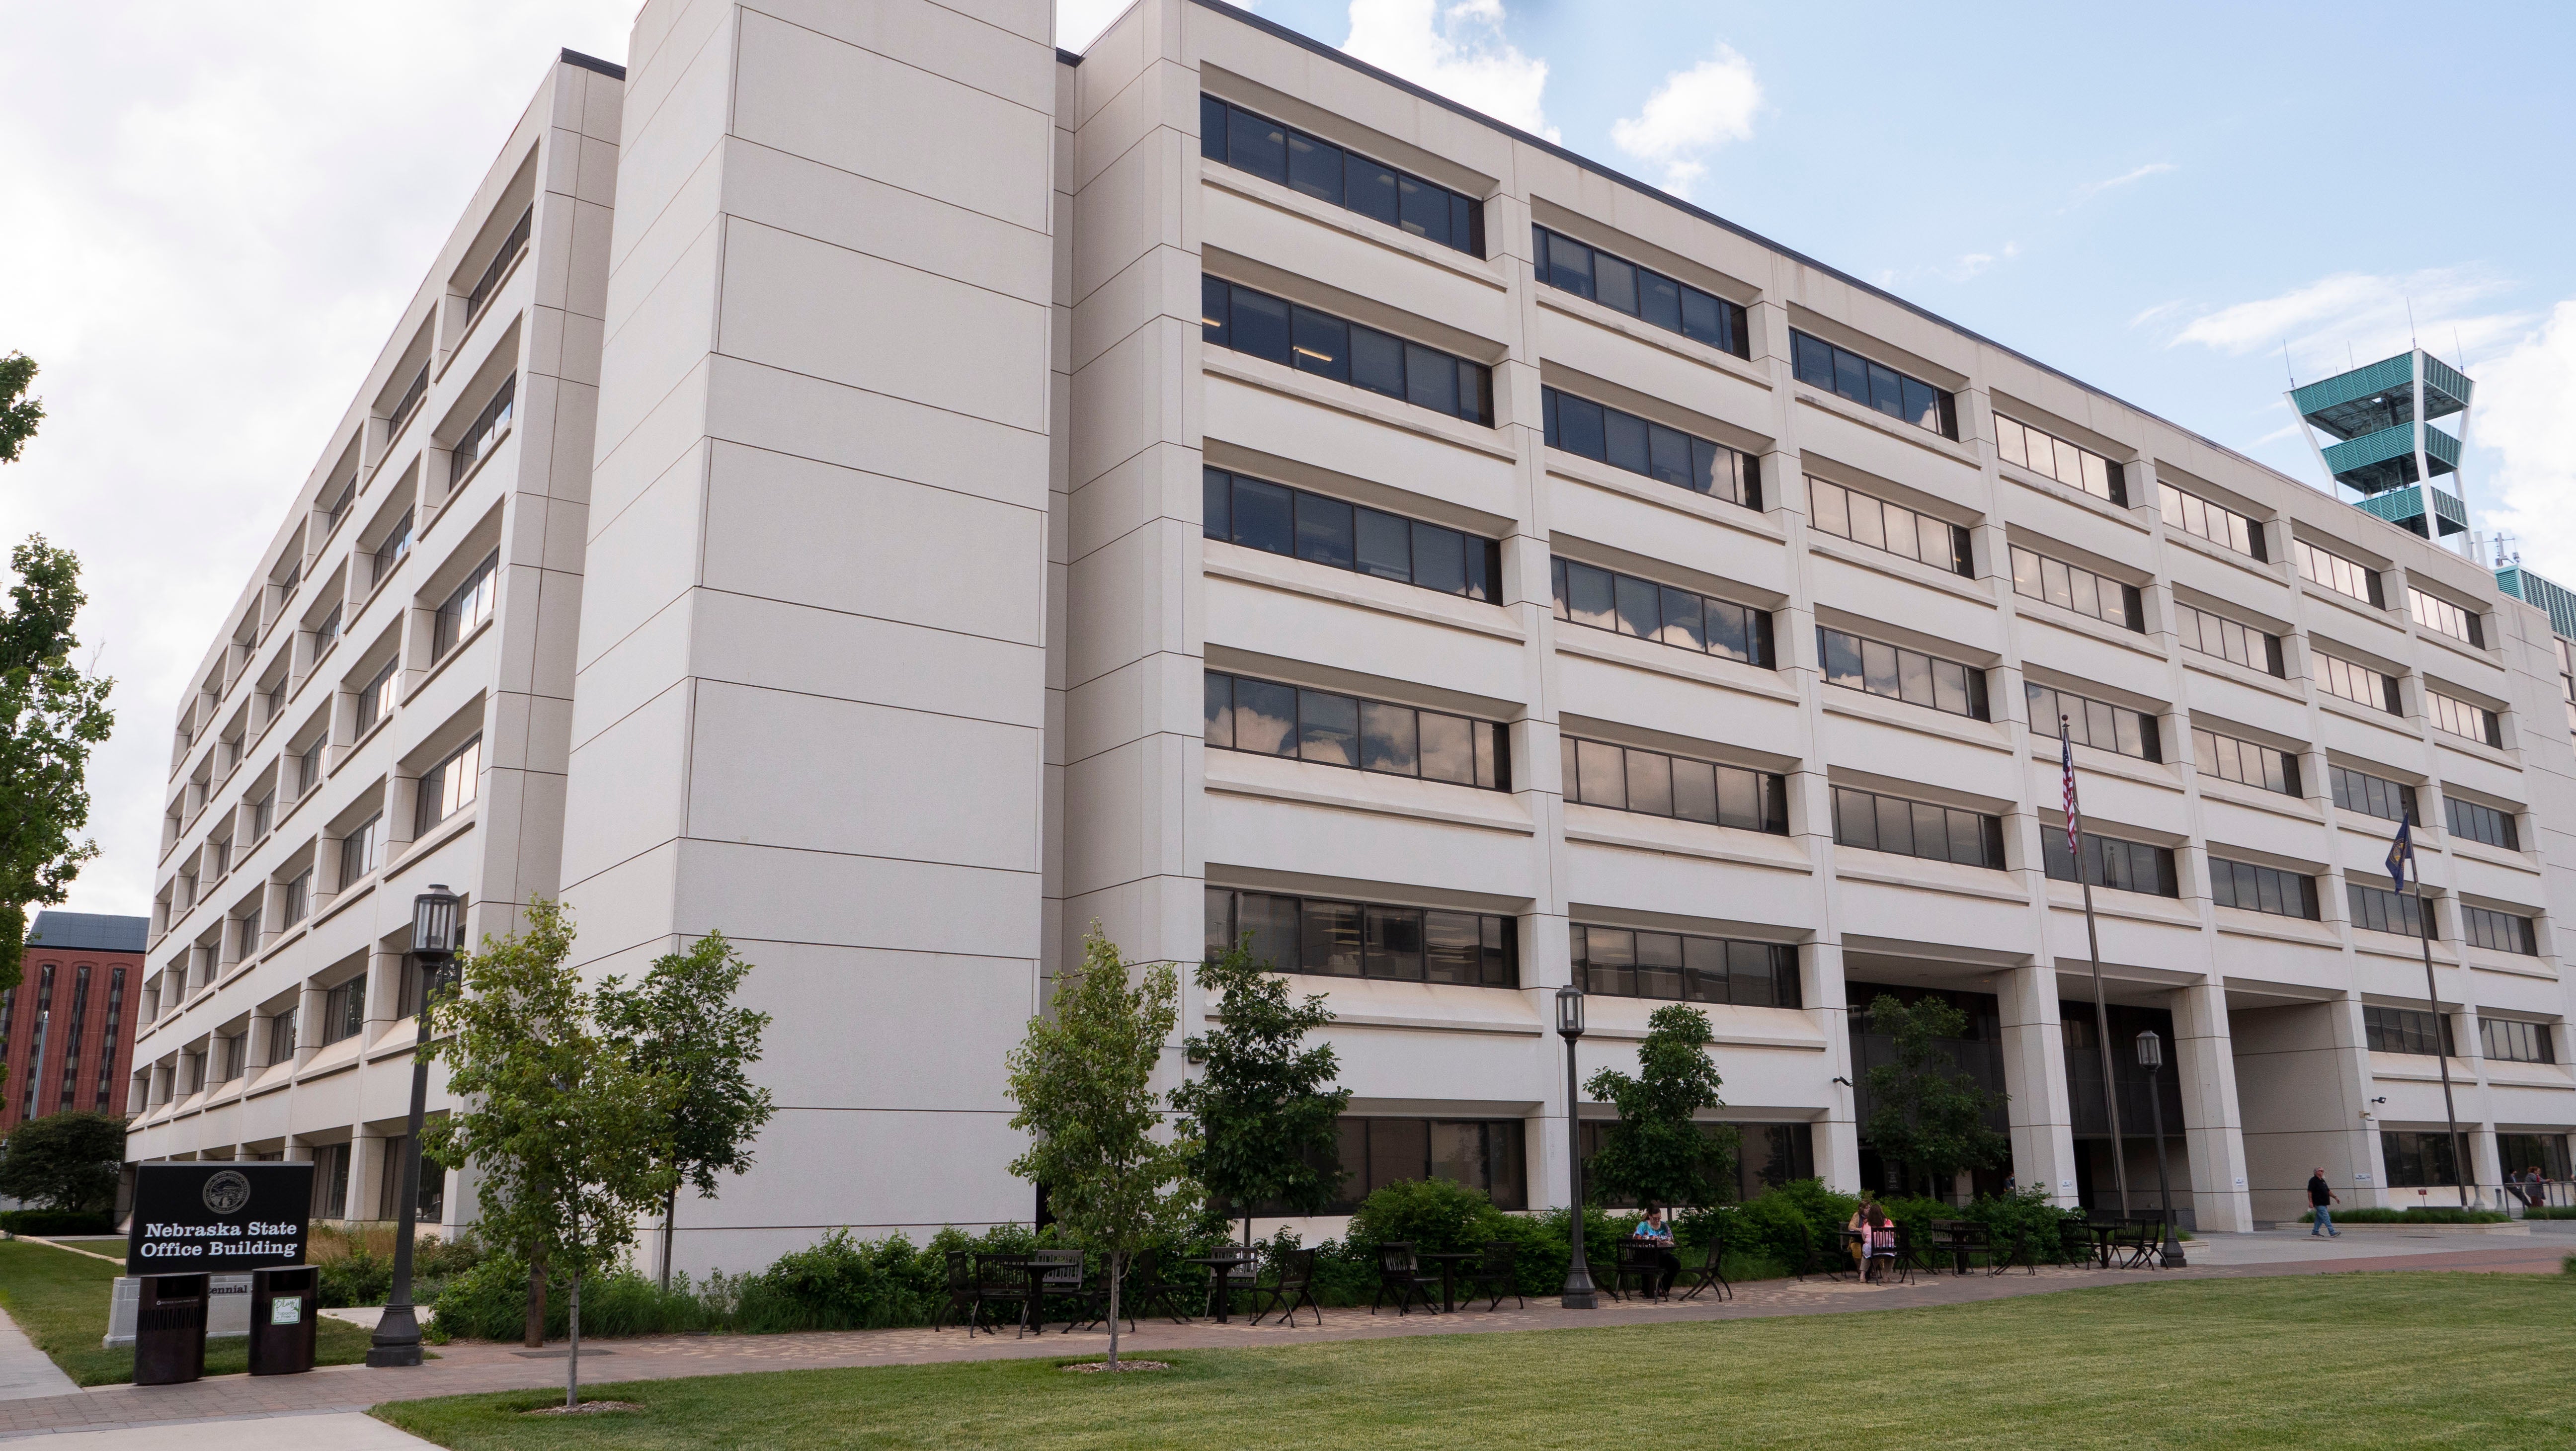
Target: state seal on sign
{"x": 227, "y": 1192}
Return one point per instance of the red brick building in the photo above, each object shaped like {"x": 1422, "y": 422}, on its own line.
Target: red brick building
{"x": 67, "y": 1029}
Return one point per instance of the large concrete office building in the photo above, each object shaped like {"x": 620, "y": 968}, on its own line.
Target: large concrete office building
{"x": 961, "y": 491}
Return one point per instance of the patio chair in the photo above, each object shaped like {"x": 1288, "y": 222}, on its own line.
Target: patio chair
{"x": 1003, "y": 1281}
{"x": 963, "y": 1293}
{"x": 1060, "y": 1282}
{"x": 1712, "y": 1275}
{"x": 1399, "y": 1273}
{"x": 1295, "y": 1287}
{"x": 2138, "y": 1241}
{"x": 1242, "y": 1275}
{"x": 2075, "y": 1242}
{"x": 1894, "y": 1255}
{"x": 1650, "y": 1265}
{"x": 1497, "y": 1275}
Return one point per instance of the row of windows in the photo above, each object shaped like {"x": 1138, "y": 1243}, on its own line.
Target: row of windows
{"x": 1342, "y": 178}
{"x": 1282, "y": 520}
{"x": 486, "y": 427}
{"x": 2473, "y": 722}
{"x": 2336, "y": 573}
{"x": 2093, "y": 723}
{"x": 1820, "y": 364}
{"x": 1624, "y": 778}
{"x": 2217, "y": 635}
{"x": 1892, "y": 527}
{"x": 1354, "y": 939}
{"x": 2444, "y": 617}
{"x": 2405, "y": 1030}
{"x": 449, "y": 786}
{"x": 2358, "y": 683}
{"x": 1269, "y": 719}
{"x": 2481, "y": 823}
{"x": 1297, "y": 336}
{"x": 2498, "y": 931}
{"x": 1586, "y": 271}
{"x": 1617, "y": 962}
{"x": 2515, "y": 1042}
{"x": 2371, "y": 795}
{"x": 1480, "y": 1154}
{"x": 2417, "y": 1160}
{"x": 1624, "y": 604}
{"x": 2250, "y": 888}
{"x": 1901, "y": 674}
{"x": 1873, "y": 822}
{"x": 2119, "y": 866}
{"x": 2381, "y": 910}
{"x": 2245, "y": 763}
{"x": 1626, "y": 441}
{"x": 2038, "y": 577}
{"x": 2216, "y": 523}
{"x": 466, "y": 608}
{"x": 2069, "y": 464}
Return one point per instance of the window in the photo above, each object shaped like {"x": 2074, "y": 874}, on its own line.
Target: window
{"x": 2216, "y": 523}
{"x": 2498, "y": 931}
{"x": 1620, "y": 963}
{"x": 2069, "y": 464}
{"x": 390, "y": 551}
{"x": 1901, "y": 674}
{"x": 1892, "y": 527}
{"x": 2443, "y": 617}
{"x": 359, "y": 849}
{"x": 481, "y": 292}
{"x": 2092, "y": 723}
{"x": 1626, "y": 605}
{"x": 231, "y": 1056}
{"x": 1918, "y": 829}
{"x": 263, "y": 815}
{"x": 2546, "y": 1153}
{"x": 2405, "y": 1030}
{"x": 404, "y": 407}
{"x": 1340, "y": 177}
{"x": 1282, "y": 520}
{"x": 1625, "y": 441}
{"x": 281, "y": 1037}
{"x": 2514, "y": 1042}
{"x": 449, "y": 786}
{"x": 1483, "y": 1154}
{"x": 2217, "y": 635}
{"x": 299, "y": 898}
{"x": 2378, "y": 909}
{"x": 2245, "y": 763}
{"x": 327, "y": 632}
{"x": 344, "y": 1010}
{"x": 1265, "y": 718}
{"x": 2113, "y": 864}
{"x": 1873, "y": 385}
{"x": 308, "y": 766}
{"x": 2250, "y": 888}
{"x": 2417, "y": 1161}
{"x": 2459, "y": 718}
{"x": 2359, "y": 791}
{"x": 338, "y": 508}
{"x": 1585, "y": 271}
{"x": 2038, "y": 577}
{"x": 2358, "y": 683}
{"x": 487, "y": 427}
{"x": 467, "y": 608}
{"x": 1297, "y": 336}
{"x": 1357, "y": 939}
{"x": 2481, "y": 823}
{"x": 2567, "y": 678}
{"x": 1654, "y": 784}
{"x": 246, "y": 935}
{"x": 2336, "y": 572}
{"x": 374, "y": 696}
{"x": 115, "y": 1012}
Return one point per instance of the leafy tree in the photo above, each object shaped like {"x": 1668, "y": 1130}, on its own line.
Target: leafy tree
{"x": 51, "y": 716}
{"x": 1266, "y": 1107}
{"x": 66, "y": 1161}
{"x": 571, "y": 1134}
{"x": 684, "y": 1026}
{"x": 1926, "y": 1113}
{"x": 1657, "y": 1153}
{"x": 19, "y": 414}
{"x": 1117, "y": 1176}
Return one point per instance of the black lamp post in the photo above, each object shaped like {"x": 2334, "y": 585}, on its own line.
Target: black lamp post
{"x": 433, "y": 950}
{"x": 1579, "y": 1293}
{"x": 2151, "y": 1057}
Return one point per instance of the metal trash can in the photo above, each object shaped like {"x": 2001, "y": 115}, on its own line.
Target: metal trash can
{"x": 170, "y": 1329}
{"x": 283, "y": 1303}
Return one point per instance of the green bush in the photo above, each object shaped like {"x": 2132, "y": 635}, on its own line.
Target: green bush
{"x": 2549, "y": 1211}
{"x": 2427, "y": 1215}
{"x": 56, "y": 1221}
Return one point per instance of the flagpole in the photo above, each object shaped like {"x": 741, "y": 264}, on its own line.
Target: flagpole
{"x": 2441, "y": 1025}
{"x": 2093, "y": 941}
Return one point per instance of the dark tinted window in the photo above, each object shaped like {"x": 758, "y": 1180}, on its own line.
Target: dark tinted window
{"x": 1820, "y": 364}
{"x": 2093, "y": 723}
{"x": 1354, "y": 939}
{"x": 2498, "y": 931}
{"x": 1282, "y": 520}
{"x": 2405, "y": 1030}
{"x": 1655, "y": 784}
{"x": 1873, "y": 822}
{"x": 2360, "y": 791}
{"x": 1328, "y": 728}
{"x": 1649, "y": 296}
{"x": 1901, "y": 674}
{"x": 2482, "y": 823}
{"x": 1329, "y": 173}
{"x": 1626, "y": 605}
{"x": 1625, "y": 441}
{"x": 1316, "y": 342}
{"x": 1620, "y": 962}
{"x": 2378, "y": 909}
{"x": 2251, "y": 888}
{"x": 2112, "y": 864}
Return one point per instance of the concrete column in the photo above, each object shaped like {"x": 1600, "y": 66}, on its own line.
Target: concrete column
{"x": 2042, "y": 1119}
{"x": 2303, "y": 1088}
{"x": 1838, "y": 1136}
{"x": 2205, "y": 1062}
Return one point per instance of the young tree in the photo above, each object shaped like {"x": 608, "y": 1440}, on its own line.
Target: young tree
{"x": 19, "y": 414}
{"x": 67, "y": 1161}
{"x": 684, "y": 1026}
{"x": 1083, "y": 1078}
{"x": 51, "y": 716}
{"x": 571, "y": 1136}
{"x": 1656, "y": 1153}
{"x": 1926, "y": 1113}
{"x": 1267, "y": 1109}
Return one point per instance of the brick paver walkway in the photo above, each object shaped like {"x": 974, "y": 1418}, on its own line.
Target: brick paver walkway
{"x": 466, "y": 1368}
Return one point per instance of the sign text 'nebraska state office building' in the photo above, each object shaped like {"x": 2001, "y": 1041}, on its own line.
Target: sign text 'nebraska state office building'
{"x": 222, "y": 1218}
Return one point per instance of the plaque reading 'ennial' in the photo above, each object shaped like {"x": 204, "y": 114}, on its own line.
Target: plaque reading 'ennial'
{"x": 224, "y": 1218}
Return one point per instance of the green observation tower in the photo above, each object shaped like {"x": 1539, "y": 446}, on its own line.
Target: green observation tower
{"x": 2382, "y": 443}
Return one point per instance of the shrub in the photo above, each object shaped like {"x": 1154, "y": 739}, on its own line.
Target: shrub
{"x": 2426, "y": 1215}
{"x": 56, "y": 1221}
{"x": 2550, "y": 1211}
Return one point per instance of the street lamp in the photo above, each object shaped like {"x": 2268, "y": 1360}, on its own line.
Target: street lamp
{"x": 1578, "y": 1294}
{"x": 2151, "y": 1057}
{"x": 433, "y": 949}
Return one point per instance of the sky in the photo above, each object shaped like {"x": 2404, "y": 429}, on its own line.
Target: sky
{"x": 212, "y": 213}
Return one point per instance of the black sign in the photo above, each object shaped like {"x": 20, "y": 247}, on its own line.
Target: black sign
{"x": 218, "y": 1217}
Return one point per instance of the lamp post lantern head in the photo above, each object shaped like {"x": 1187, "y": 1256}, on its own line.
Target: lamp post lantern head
{"x": 1569, "y": 1012}
{"x": 2151, "y": 1051}
{"x": 433, "y": 922}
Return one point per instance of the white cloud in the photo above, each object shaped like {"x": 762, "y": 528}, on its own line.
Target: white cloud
{"x": 2525, "y": 418}
{"x": 2335, "y": 321}
{"x": 2092, "y": 189}
{"x": 1691, "y": 114}
{"x": 1459, "y": 51}
{"x": 1079, "y": 22}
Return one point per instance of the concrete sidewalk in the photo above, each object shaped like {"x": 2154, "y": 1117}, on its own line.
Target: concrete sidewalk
{"x": 27, "y": 1373}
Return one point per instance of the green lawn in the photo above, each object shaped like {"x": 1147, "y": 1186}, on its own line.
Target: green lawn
{"x": 2309, "y": 1361}
{"x": 60, "y": 1300}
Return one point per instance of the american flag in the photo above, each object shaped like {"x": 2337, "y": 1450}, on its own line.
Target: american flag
{"x": 2066, "y": 758}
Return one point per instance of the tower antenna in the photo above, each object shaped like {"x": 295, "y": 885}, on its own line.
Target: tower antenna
{"x": 2410, "y": 322}
{"x": 2285, "y": 363}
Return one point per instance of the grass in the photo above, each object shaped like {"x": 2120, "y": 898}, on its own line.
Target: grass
{"x": 60, "y": 1300}
{"x": 2342, "y": 1360}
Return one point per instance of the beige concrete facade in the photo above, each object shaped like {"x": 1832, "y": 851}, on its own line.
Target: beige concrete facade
{"x": 900, "y": 604}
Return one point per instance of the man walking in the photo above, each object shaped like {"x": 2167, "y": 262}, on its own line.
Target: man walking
{"x": 2321, "y": 1202}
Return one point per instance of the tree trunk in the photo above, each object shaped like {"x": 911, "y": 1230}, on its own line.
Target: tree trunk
{"x": 670, "y": 1208}
{"x": 572, "y": 1362}
{"x": 535, "y": 1336}
{"x": 1117, "y": 1262}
